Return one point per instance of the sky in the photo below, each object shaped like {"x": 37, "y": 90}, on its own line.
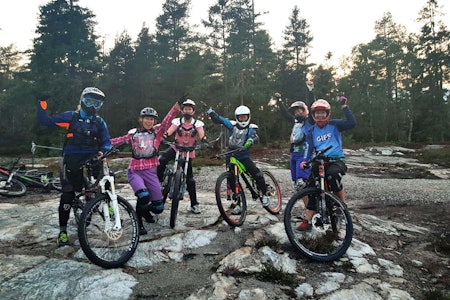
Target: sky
{"x": 336, "y": 26}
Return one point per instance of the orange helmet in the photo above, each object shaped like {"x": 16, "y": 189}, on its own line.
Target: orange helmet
{"x": 321, "y": 105}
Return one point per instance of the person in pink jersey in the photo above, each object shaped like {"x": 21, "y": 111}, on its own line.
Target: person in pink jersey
{"x": 187, "y": 130}
{"x": 141, "y": 173}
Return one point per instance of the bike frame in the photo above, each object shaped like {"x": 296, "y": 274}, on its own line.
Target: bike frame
{"x": 241, "y": 171}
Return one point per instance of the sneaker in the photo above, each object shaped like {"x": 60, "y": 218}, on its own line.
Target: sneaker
{"x": 62, "y": 239}
{"x": 142, "y": 230}
{"x": 236, "y": 210}
{"x": 304, "y": 226}
{"x": 299, "y": 184}
{"x": 195, "y": 209}
{"x": 265, "y": 201}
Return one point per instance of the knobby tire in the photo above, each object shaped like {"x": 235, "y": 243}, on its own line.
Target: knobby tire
{"x": 327, "y": 245}
{"x": 110, "y": 248}
{"x": 273, "y": 191}
{"x": 226, "y": 203}
{"x": 177, "y": 195}
{"x": 15, "y": 188}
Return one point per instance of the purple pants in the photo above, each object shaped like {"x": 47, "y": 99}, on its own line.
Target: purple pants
{"x": 296, "y": 171}
{"x": 145, "y": 179}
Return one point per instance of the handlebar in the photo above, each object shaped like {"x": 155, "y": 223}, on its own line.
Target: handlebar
{"x": 319, "y": 155}
{"x": 218, "y": 156}
{"x": 183, "y": 148}
{"x": 98, "y": 158}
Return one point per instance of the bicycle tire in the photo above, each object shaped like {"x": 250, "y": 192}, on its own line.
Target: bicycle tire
{"x": 327, "y": 245}
{"x": 273, "y": 191}
{"x": 14, "y": 188}
{"x": 56, "y": 184}
{"x": 177, "y": 196}
{"x": 227, "y": 202}
{"x": 108, "y": 248}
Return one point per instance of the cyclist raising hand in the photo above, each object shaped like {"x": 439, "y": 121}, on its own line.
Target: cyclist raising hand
{"x": 141, "y": 173}
{"x": 87, "y": 134}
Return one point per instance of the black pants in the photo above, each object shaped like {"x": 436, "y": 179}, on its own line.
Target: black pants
{"x": 169, "y": 155}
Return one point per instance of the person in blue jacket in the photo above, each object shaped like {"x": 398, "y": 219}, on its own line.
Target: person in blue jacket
{"x": 243, "y": 135}
{"x": 86, "y": 135}
{"x": 325, "y": 133}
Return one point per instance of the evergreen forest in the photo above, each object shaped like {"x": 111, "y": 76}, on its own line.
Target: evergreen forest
{"x": 397, "y": 84}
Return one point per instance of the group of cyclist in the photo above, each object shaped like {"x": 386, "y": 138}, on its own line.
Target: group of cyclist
{"x": 87, "y": 135}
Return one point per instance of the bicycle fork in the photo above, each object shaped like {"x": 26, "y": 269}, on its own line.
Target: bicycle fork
{"x": 114, "y": 203}
{"x": 320, "y": 220}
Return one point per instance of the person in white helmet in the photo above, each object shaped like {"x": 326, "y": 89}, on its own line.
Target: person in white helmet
{"x": 187, "y": 131}
{"x": 87, "y": 134}
{"x": 243, "y": 135}
{"x": 145, "y": 141}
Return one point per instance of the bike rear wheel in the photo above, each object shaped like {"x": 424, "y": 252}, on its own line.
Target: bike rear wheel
{"x": 326, "y": 241}
{"x": 274, "y": 193}
{"x": 177, "y": 196}
{"x": 13, "y": 188}
{"x": 101, "y": 243}
{"x": 228, "y": 201}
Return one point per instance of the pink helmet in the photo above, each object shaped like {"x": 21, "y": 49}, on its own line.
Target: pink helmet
{"x": 321, "y": 105}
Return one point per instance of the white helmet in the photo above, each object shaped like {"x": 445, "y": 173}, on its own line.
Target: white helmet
{"x": 91, "y": 100}
{"x": 242, "y": 110}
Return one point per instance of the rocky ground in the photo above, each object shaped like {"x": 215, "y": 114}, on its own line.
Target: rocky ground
{"x": 400, "y": 210}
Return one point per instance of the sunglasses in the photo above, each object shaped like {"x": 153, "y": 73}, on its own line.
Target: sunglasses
{"x": 91, "y": 102}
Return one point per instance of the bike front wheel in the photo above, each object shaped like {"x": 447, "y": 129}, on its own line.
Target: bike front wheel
{"x": 177, "y": 196}
{"x": 102, "y": 243}
{"x": 274, "y": 193}
{"x": 232, "y": 206}
{"x": 329, "y": 237}
{"x": 13, "y": 188}
{"x": 56, "y": 184}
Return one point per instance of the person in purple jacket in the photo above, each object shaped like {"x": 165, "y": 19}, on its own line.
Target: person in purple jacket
{"x": 325, "y": 133}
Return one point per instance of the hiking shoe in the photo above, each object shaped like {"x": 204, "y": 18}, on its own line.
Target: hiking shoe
{"x": 236, "y": 210}
{"x": 304, "y": 226}
{"x": 265, "y": 201}
{"x": 195, "y": 209}
{"x": 299, "y": 184}
{"x": 62, "y": 239}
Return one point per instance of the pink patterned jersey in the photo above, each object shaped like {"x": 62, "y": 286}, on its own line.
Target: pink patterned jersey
{"x": 147, "y": 163}
{"x": 187, "y": 133}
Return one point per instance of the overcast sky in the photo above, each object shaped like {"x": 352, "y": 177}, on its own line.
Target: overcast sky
{"x": 336, "y": 26}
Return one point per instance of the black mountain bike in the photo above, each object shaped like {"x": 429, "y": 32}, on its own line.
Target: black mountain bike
{"x": 174, "y": 180}
{"x": 108, "y": 226}
{"x": 230, "y": 191}
{"x": 332, "y": 228}
{"x": 15, "y": 179}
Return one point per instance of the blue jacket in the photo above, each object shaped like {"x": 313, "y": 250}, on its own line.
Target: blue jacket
{"x": 330, "y": 134}
{"x": 85, "y": 134}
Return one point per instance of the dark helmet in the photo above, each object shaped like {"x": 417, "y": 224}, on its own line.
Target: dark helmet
{"x": 149, "y": 112}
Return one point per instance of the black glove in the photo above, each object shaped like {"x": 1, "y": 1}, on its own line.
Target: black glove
{"x": 205, "y": 140}
{"x": 182, "y": 99}
{"x": 43, "y": 97}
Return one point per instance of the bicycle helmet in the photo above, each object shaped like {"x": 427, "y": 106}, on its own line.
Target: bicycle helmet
{"x": 242, "y": 110}
{"x": 91, "y": 100}
{"x": 149, "y": 112}
{"x": 190, "y": 103}
{"x": 299, "y": 105}
{"x": 324, "y": 106}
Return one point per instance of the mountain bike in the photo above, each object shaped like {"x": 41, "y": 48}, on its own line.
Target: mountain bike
{"x": 174, "y": 179}
{"x": 230, "y": 192}
{"x": 15, "y": 179}
{"x": 107, "y": 227}
{"x": 332, "y": 228}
